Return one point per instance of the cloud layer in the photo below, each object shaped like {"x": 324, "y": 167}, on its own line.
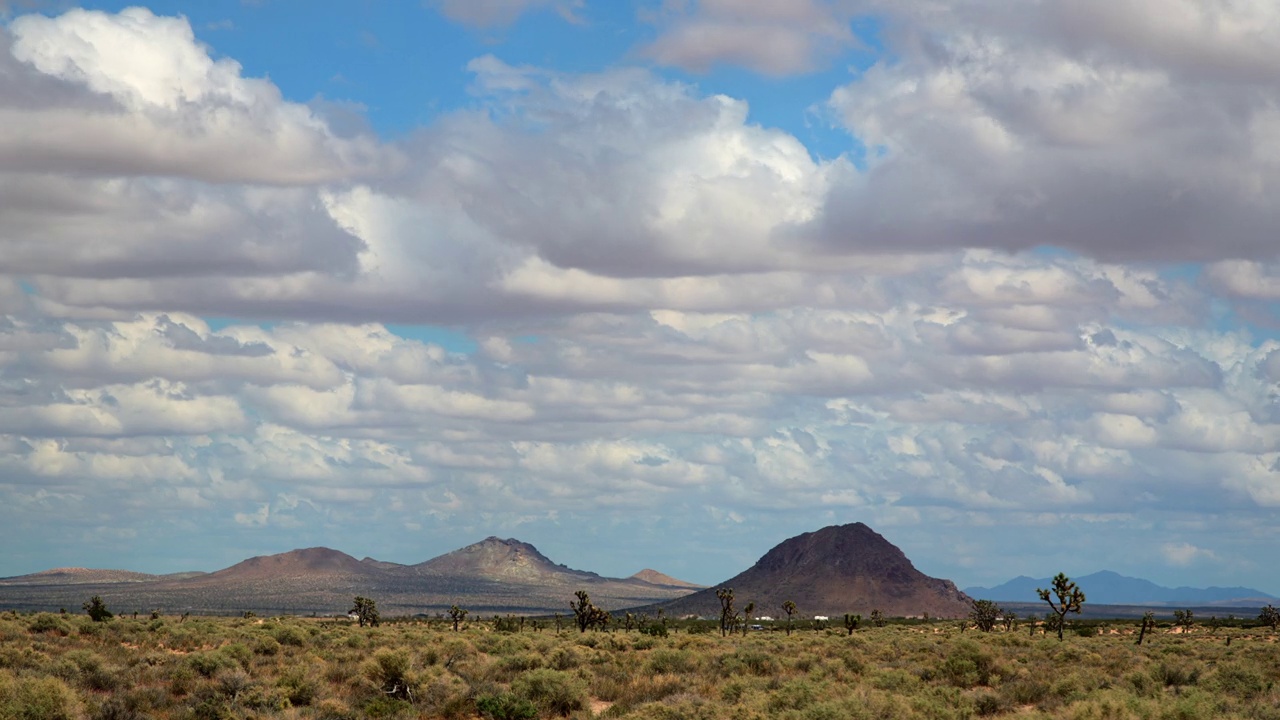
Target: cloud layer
{"x": 1038, "y": 298}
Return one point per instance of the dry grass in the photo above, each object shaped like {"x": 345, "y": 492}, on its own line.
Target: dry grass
{"x": 69, "y": 667}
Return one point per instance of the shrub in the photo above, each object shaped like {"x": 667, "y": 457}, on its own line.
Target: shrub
{"x": 389, "y": 671}
{"x": 299, "y": 687}
{"x": 670, "y": 661}
{"x": 50, "y": 623}
{"x": 506, "y": 706}
{"x": 554, "y": 691}
{"x": 44, "y": 698}
{"x": 290, "y": 635}
{"x": 1235, "y": 680}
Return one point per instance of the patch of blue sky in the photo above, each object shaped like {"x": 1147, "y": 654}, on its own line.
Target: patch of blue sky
{"x": 451, "y": 339}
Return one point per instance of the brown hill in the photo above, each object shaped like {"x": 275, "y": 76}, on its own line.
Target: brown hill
{"x": 838, "y": 569}
{"x": 504, "y": 561}
{"x": 308, "y": 563}
{"x": 79, "y": 576}
{"x": 653, "y": 577}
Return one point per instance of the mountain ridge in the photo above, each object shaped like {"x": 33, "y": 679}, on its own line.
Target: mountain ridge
{"x": 1107, "y": 587}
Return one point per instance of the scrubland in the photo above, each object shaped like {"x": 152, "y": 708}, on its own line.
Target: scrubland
{"x": 55, "y": 666}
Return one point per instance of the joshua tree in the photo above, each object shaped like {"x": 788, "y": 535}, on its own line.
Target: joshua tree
{"x": 851, "y": 622}
{"x": 97, "y": 609}
{"x": 789, "y": 608}
{"x": 1184, "y": 619}
{"x": 746, "y": 616}
{"x": 457, "y": 614}
{"x": 366, "y": 611}
{"x": 725, "y": 596}
{"x": 1010, "y": 618}
{"x": 1068, "y": 597}
{"x": 1269, "y": 616}
{"x": 985, "y": 614}
{"x": 629, "y": 620}
{"x": 877, "y": 618}
{"x": 1148, "y": 625}
{"x": 586, "y": 615}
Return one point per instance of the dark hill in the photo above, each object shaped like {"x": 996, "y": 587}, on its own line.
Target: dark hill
{"x": 838, "y": 569}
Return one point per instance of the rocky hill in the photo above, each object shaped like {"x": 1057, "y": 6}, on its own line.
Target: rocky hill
{"x": 838, "y": 569}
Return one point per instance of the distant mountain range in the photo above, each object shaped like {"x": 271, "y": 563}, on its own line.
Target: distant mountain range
{"x": 491, "y": 576}
{"x": 838, "y": 569}
{"x": 1110, "y": 588}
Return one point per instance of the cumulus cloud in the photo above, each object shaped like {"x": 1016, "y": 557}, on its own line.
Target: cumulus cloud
{"x": 978, "y": 322}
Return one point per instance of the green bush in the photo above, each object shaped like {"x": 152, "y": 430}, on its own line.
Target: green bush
{"x": 552, "y": 690}
{"x": 50, "y": 623}
{"x": 389, "y": 671}
{"x": 42, "y": 698}
{"x": 506, "y": 706}
{"x": 290, "y": 635}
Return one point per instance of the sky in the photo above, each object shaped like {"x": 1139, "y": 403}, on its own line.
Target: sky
{"x": 655, "y": 283}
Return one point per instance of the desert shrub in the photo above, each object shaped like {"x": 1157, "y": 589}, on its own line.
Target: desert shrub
{"x": 208, "y": 664}
{"x": 794, "y": 695}
{"x": 505, "y": 706}
{"x": 1175, "y": 674}
{"x": 564, "y": 659}
{"x": 290, "y": 635}
{"x": 266, "y": 645}
{"x": 385, "y": 706}
{"x": 50, "y": 623}
{"x": 1235, "y": 680}
{"x": 747, "y": 661}
{"x": 664, "y": 660}
{"x": 41, "y": 698}
{"x": 552, "y": 690}
{"x": 1025, "y": 690}
{"x": 239, "y": 653}
{"x": 988, "y": 703}
{"x": 655, "y": 630}
{"x": 967, "y": 665}
{"x": 333, "y": 709}
{"x": 389, "y": 671}
{"x": 299, "y": 686}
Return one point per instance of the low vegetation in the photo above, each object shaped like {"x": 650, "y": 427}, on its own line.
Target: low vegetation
{"x": 71, "y": 666}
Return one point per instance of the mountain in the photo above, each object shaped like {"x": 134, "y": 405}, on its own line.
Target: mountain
{"x": 835, "y": 570}
{"x": 653, "y": 577}
{"x": 1110, "y": 588}
{"x": 489, "y": 577}
{"x": 503, "y": 560}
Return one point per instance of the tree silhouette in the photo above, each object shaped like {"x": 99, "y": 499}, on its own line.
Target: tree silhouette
{"x": 985, "y": 614}
{"x": 366, "y": 611}
{"x": 725, "y": 596}
{"x": 1148, "y": 625}
{"x": 746, "y": 616}
{"x": 97, "y": 609}
{"x": 789, "y": 608}
{"x": 457, "y": 614}
{"x": 1269, "y": 616}
{"x": 851, "y": 622}
{"x": 1067, "y": 597}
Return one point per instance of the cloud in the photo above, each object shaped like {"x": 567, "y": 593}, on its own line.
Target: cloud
{"x": 1183, "y": 554}
{"x": 1082, "y": 128}
{"x": 767, "y": 37}
{"x": 490, "y": 13}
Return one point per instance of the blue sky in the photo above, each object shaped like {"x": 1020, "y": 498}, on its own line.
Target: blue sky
{"x": 684, "y": 278}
